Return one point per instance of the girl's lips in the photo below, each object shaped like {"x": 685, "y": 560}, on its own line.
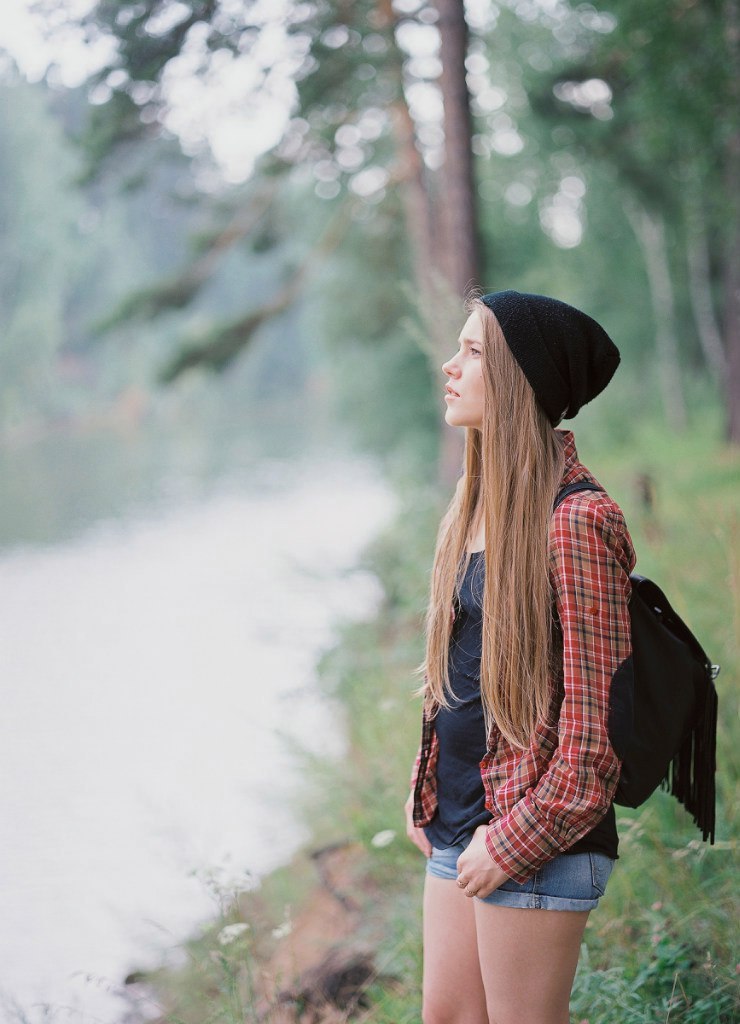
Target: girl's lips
{"x": 448, "y": 395}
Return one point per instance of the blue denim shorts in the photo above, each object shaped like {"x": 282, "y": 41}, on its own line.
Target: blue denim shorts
{"x": 570, "y": 881}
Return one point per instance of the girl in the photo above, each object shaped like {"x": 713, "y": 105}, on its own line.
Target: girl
{"x": 527, "y": 645}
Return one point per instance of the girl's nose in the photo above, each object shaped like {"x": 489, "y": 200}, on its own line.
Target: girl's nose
{"x": 449, "y": 368}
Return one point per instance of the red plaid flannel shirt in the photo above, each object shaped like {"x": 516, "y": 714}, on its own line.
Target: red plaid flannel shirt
{"x": 545, "y": 798}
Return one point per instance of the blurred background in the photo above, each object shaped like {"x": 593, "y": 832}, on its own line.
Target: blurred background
{"x": 235, "y": 239}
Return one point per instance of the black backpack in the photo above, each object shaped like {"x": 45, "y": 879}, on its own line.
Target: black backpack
{"x": 670, "y": 706}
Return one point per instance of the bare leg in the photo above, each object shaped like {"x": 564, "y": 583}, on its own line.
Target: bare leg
{"x": 528, "y": 961}
{"x": 453, "y": 990}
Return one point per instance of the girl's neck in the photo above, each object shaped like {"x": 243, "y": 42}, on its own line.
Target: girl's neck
{"x": 477, "y": 538}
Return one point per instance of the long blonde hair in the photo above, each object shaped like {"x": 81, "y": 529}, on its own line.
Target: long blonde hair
{"x": 512, "y": 471}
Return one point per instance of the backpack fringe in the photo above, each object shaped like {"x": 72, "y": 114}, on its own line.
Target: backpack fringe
{"x": 690, "y": 776}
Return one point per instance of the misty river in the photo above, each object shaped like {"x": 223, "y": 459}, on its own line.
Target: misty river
{"x": 158, "y": 666}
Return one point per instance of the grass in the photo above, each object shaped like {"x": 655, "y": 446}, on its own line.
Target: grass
{"x": 662, "y": 945}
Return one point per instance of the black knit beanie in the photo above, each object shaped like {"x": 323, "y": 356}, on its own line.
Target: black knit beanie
{"x": 565, "y": 355}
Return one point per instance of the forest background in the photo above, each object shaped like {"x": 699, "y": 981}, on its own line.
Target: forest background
{"x": 585, "y": 150}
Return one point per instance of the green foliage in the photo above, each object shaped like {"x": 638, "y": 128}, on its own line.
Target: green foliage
{"x": 380, "y": 382}
{"x": 40, "y": 240}
{"x": 668, "y": 132}
{"x": 640, "y": 96}
{"x": 216, "y": 348}
{"x": 350, "y": 63}
{"x": 149, "y": 302}
{"x": 668, "y": 68}
{"x": 128, "y": 86}
{"x": 64, "y": 253}
{"x": 671, "y": 986}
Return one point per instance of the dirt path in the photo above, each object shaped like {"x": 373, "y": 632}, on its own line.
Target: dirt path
{"x": 319, "y": 970}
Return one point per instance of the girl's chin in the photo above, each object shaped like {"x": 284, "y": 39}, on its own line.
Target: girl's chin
{"x": 460, "y": 421}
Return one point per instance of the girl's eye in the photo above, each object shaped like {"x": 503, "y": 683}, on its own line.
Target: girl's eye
{"x": 475, "y": 351}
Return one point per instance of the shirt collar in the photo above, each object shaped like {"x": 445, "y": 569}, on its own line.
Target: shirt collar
{"x": 574, "y": 468}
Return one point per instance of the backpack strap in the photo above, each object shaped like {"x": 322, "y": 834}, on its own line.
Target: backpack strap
{"x": 577, "y": 485}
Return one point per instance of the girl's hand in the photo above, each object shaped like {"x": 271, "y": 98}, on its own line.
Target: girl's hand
{"x": 477, "y": 873}
{"x": 415, "y": 834}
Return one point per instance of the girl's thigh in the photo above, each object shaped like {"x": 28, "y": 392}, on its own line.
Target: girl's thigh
{"x": 453, "y": 991}
{"x": 528, "y": 960}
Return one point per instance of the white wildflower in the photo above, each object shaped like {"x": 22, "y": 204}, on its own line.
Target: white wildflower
{"x": 282, "y": 930}
{"x": 231, "y": 932}
{"x": 384, "y": 838}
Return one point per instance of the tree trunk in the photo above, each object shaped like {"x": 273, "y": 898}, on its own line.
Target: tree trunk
{"x": 650, "y": 232}
{"x": 443, "y": 240}
{"x": 731, "y": 324}
{"x": 700, "y": 289}
{"x": 462, "y": 253}
{"x": 459, "y": 214}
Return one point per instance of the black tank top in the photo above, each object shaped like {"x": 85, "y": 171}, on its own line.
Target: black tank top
{"x": 461, "y": 730}
{"x": 462, "y": 737}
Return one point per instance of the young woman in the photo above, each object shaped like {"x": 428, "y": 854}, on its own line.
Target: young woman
{"x": 527, "y": 645}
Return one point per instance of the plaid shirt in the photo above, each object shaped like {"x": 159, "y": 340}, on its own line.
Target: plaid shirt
{"x": 543, "y": 799}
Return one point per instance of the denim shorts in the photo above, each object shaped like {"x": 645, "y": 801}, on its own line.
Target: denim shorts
{"x": 570, "y": 881}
